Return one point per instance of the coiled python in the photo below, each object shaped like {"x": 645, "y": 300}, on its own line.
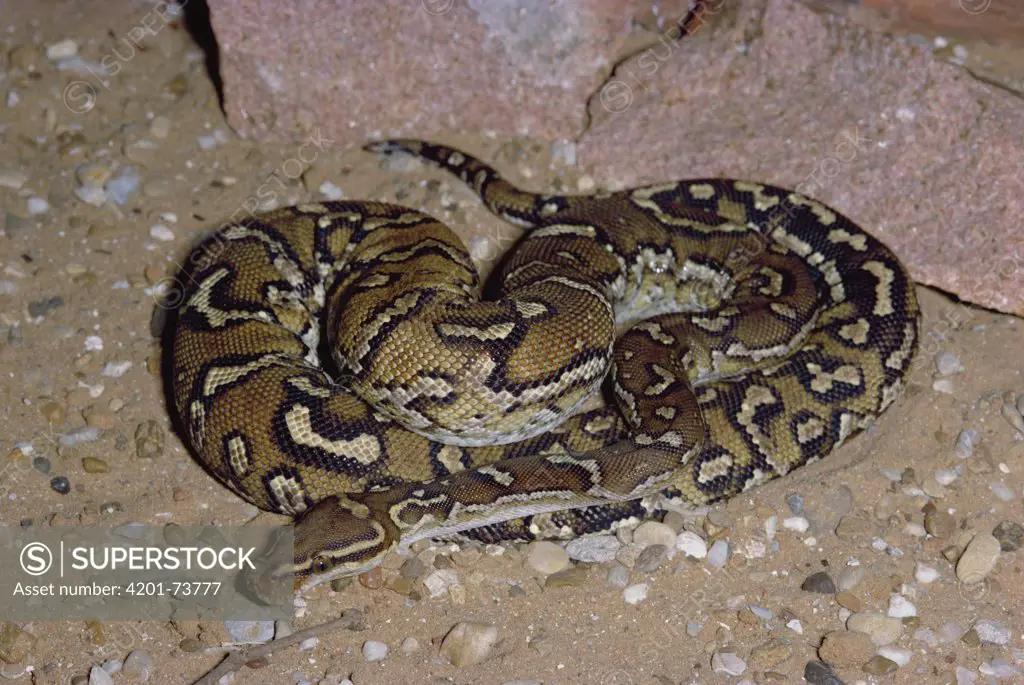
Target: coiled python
{"x": 772, "y": 329}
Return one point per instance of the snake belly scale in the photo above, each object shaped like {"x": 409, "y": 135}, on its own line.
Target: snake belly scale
{"x": 765, "y": 329}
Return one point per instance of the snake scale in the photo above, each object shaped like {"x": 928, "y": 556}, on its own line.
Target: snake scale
{"x": 764, "y": 330}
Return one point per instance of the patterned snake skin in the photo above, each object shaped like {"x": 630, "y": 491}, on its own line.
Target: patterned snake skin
{"x": 771, "y": 329}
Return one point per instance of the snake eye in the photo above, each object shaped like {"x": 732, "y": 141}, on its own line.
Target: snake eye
{"x": 321, "y": 564}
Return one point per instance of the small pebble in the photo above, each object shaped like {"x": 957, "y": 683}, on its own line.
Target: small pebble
{"x": 654, "y": 533}
{"x": 999, "y": 668}
{"x": 965, "y": 442}
{"x": 820, "y": 673}
{"x": 91, "y": 196}
{"x": 60, "y": 484}
{"x": 97, "y": 676}
{"x": 948, "y": 364}
{"x": 882, "y": 629}
{"x": 795, "y": 503}
{"x": 728, "y": 663}
{"x": 718, "y": 555}
{"x": 61, "y": 50}
{"x": 1009, "y": 534}
{"x": 900, "y": 657}
{"x": 546, "y": 557}
{"x": 410, "y": 645}
{"x": 950, "y": 632}
{"x": 796, "y": 523}
{"x": 469, "y": 643}
{"x": 618, "y": 576}
{"x": 965, "y": 677}
{"x": 1002, "y": 491}
{"x": 691, "y": 544}
{"x": 978, "y": 559}
{"x": 899, "y": 607}
{"x": 992, "y": 632}
{"x": 139, "y": 665}
{"x": 845, "y": 648}
{"x": 250, "y": 631}
{"x": 161, "y": 232}
{"x": 374, "y": 651}
{"x": 943, "y": 385}
{"x": 634, "y": 594}
{"x": 925, "y": 574}
{"x": 850, "y": 577}
{"x": 94, "y": 465}
{"x": 879, "y": 665}
{"x": 940, "y": 524}
{"x": 594, "y": 549}
{"x": 819, "y": 582}
{"x": 1012, "y": 416}
{"x": 37, "y": 206}
{"x": 651, "y": 558}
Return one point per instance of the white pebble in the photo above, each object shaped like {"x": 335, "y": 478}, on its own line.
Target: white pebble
{"x": 899, "y": 607}
{"x": 93, "y": 343}
{"x": 900, "y": 657}
{"x": 728, "y": 663}
{"x": 206, "y": 142}
{"x": 948, "y": 364}
{"x": 905, "y": 114}
{"x": 915, "y": 530}
{"x": 879, "y": 545}
{"x": 691, "y": 544}
{"x": 410, "y": 645}
{"x": 771, "y": 525}
{"x": 634, "y": 594}
{"x": 374, "y": 651}
{"x": 992, "y": 632}
{"x": 593, "y": 549}
{"x": 796, "y": 626}
{"x": 796, "y": 523}
{"x": 440, "y": 580}
{"x": 925, "y": 574}
{"x": 161, "y": 232}
{"x": 331, "y": 191}
{"x": 115, "y": 369}
{"x": 946, "y": 476}
{"x": 308, "y": 644}
{"x": 943, "y": 385}
{"x": 61, "y": 50}
{"x": 12, "y": 178}
{"x": 91, "y": 196}
{"x": 37, "y": 205}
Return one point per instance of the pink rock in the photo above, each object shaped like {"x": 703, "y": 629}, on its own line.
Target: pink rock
{"x": 357, "y": 69}
{"x": 916, "y": 151}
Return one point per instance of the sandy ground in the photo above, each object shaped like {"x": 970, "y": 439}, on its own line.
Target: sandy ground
{"x": 80, "y": 348}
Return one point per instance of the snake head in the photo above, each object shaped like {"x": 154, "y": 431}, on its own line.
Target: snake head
{"x": 337, "y": 537}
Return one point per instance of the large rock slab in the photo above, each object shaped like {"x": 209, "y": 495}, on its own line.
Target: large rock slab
{"x": 917, "y": 151}
{"x": 359, "y": 68}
